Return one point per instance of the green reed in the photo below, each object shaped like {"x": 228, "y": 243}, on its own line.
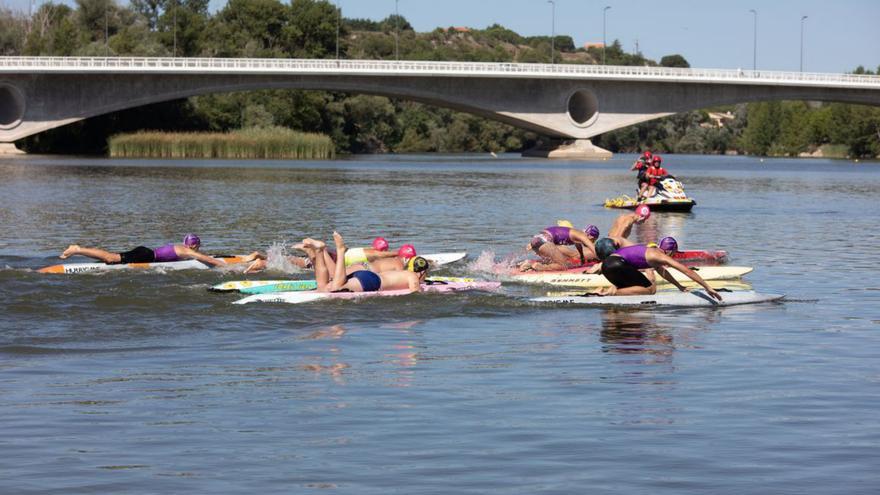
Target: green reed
{"x": 253, "y": 143}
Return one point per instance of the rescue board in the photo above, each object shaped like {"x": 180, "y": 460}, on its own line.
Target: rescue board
{"x": 267, "y": 286}
{"x": 695, "y": 298}
{"x": 309, "y": 296}
{"x": 439, "y": 259}
{"x": 576, "y": 277}
{"x": 719, "y": 285}
{"x": 693, "y": 255}
{"x": 167, "y": 265}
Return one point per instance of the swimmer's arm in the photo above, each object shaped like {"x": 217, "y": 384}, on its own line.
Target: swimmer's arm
{"x": 373, "y": 254}
{"x": 255, "y": 266}
{"x": 670, "y": 278}
{"x": 414, "y": 284}
{"x": 256, "y": 255}
{"x": 186, "y": 252}
{"x": 659, "y": 258}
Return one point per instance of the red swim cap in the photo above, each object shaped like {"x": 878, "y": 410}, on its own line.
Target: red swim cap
{"x": 643, "y": 211}
{"x": 406, "y": 251}
{"x": 380, "y": 244}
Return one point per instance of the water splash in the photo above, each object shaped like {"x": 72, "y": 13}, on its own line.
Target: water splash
{"x": 485, "y": 263}
{"x": 277, "y": 259}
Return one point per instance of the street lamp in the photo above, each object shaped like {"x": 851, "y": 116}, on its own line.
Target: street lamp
{"x": 396, "y": 32}
{"x": 338, "y": 21}
{"x": 107, "y": 33}
{"x": 604, "y": 42}
{"x": 174, "y": 50}
{"x": 803, "y": 18}
{"x": 552, "y": 30}
{"x": 755, "y": 42}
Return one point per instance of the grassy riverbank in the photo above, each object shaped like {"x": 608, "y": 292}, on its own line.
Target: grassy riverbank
{"x": 255, "y": 143}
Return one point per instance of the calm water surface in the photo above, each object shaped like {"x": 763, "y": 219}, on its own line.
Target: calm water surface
{"x": 147, "y": 383}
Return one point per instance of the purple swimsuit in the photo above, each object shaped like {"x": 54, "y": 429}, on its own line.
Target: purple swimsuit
{"x": 165, "y": 253}
{"x": 634, "y": 255}
{"x": 559, "y": 235}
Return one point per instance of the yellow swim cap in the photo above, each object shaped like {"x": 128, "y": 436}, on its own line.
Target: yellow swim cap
{"x": 564, "y": 223}
{"x": 417, "y": 264}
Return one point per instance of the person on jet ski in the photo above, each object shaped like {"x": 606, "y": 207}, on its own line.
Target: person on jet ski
{"x": 654, "y": 174}
{"x": 641, "y": 165}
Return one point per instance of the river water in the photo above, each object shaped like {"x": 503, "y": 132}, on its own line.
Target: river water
{"x": 147, "y": 383}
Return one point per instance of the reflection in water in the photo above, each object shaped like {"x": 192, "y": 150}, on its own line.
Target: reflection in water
{"x": 405, "y": 353}
{"x": 642, "y": 352}
{"x": 628, "y": 332}
{"x": 336, "y": 368}
{"x": 658, "y": 226}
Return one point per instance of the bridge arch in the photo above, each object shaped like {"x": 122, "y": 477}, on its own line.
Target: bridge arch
{"x": 12, "y": 106}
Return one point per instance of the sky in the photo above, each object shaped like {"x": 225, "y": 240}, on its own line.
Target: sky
{"x": 839, "y": 35}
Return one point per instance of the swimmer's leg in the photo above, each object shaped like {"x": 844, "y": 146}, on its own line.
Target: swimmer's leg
{"x": 315, "y": 250}
{"x": 98, "y": 254}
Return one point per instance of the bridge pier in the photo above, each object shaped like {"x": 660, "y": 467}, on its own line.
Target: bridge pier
{"x": 568, "y": 149}
{"x": 9, "y": 149}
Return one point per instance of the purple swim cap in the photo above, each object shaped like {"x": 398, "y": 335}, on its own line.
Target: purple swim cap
{"x": 191, "y": 240}
{"x": 592, "y": 231}
{"x": 668, "y": 244}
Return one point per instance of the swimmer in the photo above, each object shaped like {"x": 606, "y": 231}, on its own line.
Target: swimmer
{"x": 361, "y": 280}
{"x": 355, "y": 256}
{"x": 623, "y": 224}
{"x": 549, "y": 246}
{"x": 630, "y": 267}
{"x": 189, "y": 249}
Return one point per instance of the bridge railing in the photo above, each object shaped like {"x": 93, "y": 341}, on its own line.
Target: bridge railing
{"x": 412, "y": 67}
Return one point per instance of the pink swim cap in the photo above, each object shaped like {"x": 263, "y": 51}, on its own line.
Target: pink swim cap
{"x": 643, "y": 211}
{"x": 406, "y": 251}
{"x": 380, "y": 244}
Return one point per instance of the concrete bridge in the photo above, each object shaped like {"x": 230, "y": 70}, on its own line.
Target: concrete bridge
{"x": 571, "y": 103}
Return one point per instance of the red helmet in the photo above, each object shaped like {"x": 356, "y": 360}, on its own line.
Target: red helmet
{"x": 646, "y": 154}
{"x": 407, "y": 251}
{"x": 657, "y": 159}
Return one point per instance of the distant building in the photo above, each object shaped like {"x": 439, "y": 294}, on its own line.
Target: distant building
{"x": 716, "y": 119}
{"x": 460, "y": 29}
{"x": 587, "y": 46}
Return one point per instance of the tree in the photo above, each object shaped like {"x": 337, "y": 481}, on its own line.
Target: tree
{"x": 674, "y": 61}
{"x": 12, "y": 33}
{"x": 310, "y": 30}
{"x": 182, "y": 26}
{"x": 762, "y": 128}
{"x": 149, "y": 9}
{"x": 250, "y": 28}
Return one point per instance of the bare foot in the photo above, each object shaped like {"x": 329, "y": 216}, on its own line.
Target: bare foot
{"x": 298, "y": 246}
{"x": 70, "y": 251}
{"x": 340, "y": 243}
{"x": 313, "y": 244}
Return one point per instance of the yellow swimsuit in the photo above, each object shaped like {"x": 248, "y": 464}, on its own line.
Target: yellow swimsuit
{"x": 355, "y": 256}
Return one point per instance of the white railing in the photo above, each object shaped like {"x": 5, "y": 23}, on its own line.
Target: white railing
{"x": 425, "y": 68}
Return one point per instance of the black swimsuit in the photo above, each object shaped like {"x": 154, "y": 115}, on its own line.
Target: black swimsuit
{"x": 622, "y": 274}
{"x": 139, "y": 254}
